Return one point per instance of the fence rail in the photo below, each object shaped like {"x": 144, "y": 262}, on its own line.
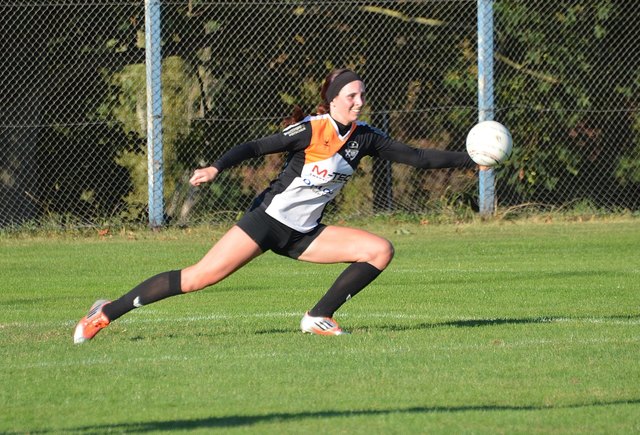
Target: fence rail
{"x": 74, "y": 137}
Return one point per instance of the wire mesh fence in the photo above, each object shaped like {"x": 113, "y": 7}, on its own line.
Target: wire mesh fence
{"x": 73, "y": 121}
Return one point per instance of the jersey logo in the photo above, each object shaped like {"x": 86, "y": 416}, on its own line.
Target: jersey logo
{"x": 351, "y": 150}
{"x": 321, "y": 173}
{"x": 326, "y": 176}
{"x": 294, "y": 129}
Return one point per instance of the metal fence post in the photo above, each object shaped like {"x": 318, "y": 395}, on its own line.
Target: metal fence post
{"x": 486, "y": 182}
{"x": 154, "y": 113}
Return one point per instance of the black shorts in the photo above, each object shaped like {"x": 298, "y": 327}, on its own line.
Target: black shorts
{"x": 273, "y": 235}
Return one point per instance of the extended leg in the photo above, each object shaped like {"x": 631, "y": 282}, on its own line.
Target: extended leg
{"x": 230, "y": 253}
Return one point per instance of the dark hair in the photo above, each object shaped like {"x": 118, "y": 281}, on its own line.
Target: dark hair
{"x": 296, "y": 116}
{"x": 322, "y": 107}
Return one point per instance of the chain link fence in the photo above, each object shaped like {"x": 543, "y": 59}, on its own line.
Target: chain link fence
{"x": 73, "y": 98}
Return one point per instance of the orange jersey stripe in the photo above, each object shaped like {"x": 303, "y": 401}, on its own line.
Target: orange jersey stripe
{"x": 325, "y": 141}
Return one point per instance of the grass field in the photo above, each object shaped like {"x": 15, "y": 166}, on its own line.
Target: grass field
{"x": 481, "y": 328}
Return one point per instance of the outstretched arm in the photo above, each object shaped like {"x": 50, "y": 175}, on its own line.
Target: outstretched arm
{"x": 423, "y": 157}
{"x": 276, "y": 143}
{"x": 235, "y": 155}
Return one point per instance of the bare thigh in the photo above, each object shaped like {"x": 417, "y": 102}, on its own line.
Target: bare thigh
{"x": 349, "y": 245}
{"x": 231, "y": 252}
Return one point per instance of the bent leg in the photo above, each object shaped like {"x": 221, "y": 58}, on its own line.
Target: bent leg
{"x": 349, "y": 245}
{"x": 368, "y": 253}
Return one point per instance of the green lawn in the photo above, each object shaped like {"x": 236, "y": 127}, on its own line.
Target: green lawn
{"x": 480, "y": 328}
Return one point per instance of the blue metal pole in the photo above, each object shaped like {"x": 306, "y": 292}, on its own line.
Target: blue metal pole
{"x": 486, "y": 185}
{"x": 154, "y": 113}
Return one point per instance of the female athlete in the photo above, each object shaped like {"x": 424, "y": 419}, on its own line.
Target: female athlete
{"x": 323, "y": 152}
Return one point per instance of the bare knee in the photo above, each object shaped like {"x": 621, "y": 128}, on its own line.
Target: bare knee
{"x": 380, "y": 254}
{"x": 388, "y": 252}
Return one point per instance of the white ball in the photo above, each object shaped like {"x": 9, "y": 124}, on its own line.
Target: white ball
{"x": 489, "y": 143}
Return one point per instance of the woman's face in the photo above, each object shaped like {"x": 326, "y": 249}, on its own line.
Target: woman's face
{"x": 345, "y": 107}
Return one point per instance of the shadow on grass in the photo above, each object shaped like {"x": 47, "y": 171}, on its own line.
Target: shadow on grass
{"x": 472, "y": 323}
{"x": 249, "y": 420}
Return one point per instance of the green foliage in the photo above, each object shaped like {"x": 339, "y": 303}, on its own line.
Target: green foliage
{"x": 567, "y": 85}
{"x": 559, "y": 77}
{"x": 129, "y": 110}
{"x": 628, "y": 170}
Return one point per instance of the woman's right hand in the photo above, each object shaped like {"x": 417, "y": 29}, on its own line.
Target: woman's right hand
{"x": 203, "y": 175}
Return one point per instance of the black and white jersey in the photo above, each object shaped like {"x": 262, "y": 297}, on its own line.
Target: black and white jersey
{"x": 322, "y": 157}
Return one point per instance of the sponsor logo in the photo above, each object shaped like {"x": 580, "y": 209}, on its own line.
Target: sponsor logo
{"x": 320, "y": 190}
{"x": 326, "y": 176}
{"x": 322, "y": 173}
